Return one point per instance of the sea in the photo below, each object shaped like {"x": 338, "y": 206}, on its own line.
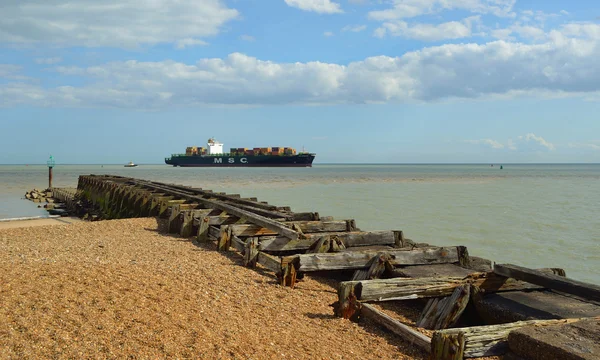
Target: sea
{"x": 534, "y": 215}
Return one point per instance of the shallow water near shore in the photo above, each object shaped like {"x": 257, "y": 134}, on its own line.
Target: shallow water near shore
{"x": 530, "y": 215}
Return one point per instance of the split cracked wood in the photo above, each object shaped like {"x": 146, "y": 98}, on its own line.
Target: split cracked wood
{"x": 444, "y": 313}
{"x": 479, "y": 341}
{"x": 360, "y": 259}
{"x": 339, "y": 240}
{"x": 393, "y": 289}
{"x": 377, "y": 267}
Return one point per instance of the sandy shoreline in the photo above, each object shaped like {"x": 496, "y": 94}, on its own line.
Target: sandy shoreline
{"x": 29, "y": 222}
{"x": 120, "y": 288}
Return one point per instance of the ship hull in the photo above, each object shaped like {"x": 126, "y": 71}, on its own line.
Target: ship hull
{"x": 302, "y": 160}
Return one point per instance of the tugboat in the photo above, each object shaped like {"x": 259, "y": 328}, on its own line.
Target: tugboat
{"x": 131, "y": 164}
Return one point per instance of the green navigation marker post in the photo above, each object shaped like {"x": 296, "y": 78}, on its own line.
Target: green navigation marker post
{"x": 50, "y": 163}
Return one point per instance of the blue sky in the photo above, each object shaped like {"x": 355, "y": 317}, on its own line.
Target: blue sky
{"x": 399, "y": 81}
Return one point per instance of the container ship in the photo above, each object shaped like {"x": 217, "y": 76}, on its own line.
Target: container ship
{"x": 213, "y": 156}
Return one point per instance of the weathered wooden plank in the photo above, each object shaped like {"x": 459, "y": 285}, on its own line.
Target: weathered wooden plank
{"x": 173, "y": 220}
{"x": 431, "y": 271}
{"x": 271, "y": 262}
{"x": 166, "y": 204}
{"x": 444, "y": 313}
{"x": 321, "y": 246}
{"x": 214, "y": 231}
{"x": 479, "y": 341}
{"x": 238, "y": 244}
{"x": 187, "y": 223}
{"x": 511, "y": 306}
{"x": 232, "y": 210}
{"x": 250, "y": 230}
{"x": 492, "y": 283}
{"x": 551, "y": 281}
{"x": 403, "y": 288}
{"x": 377, "y": 267}
{"x": 246, "y": 230}
{"x": 266, "y": 213}
{"x": 221, "y": 196}
{"x": 395, "y": 326}
{"x": 324, "y": 226}
{"x": 339, "y": 240}
{"x": 278, "y": 243}
{"x": 377, "y": 248}
{"x": 222, "y": 219}
{"x": 365, "y": 238}
{"x": 305, "y": 216}
{"x": 360, "y": 259}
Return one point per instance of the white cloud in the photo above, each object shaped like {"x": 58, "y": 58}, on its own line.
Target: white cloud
{"x": 115, "y": 23}
{"x": 48, "y": 61}
{"x": 318, "y": 6}
{"x": 356, "y": 28}
{"x": 427, "y": 32}
{"x": 585, "y": 30}
{"x": 489, "y": 142}
{"x": 595, "y": 147}
{"x": 11, "y": 72}
{"x": 249, "y": 38}
{"x": 561, "y": 66}
{"x": 522, "y": 142}
{"x": 328, "y": 34}
{"x": 523, "y": 31}
{"x": 538, "y": 16}
{"x": 403, "y": 9}
{"x": 511, "y": 145}
{"x": 537, "y": 139}
{"x": 184, "y": 43}
{"x": 7, "y": 70}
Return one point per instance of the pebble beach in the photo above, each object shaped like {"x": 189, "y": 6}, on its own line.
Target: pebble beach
{"x": 126, "y": 289}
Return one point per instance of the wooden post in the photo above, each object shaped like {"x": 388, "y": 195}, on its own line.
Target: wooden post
{"x": 50, "y": 177}
{"x": 224, "y": 238}
{"x": 251, "y": 252}
{"x": 289, "y": 271}
{"x": 187, "y": 223}
{"x": 202, "y": 236}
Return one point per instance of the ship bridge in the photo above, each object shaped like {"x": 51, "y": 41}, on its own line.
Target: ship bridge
{"x": 214, "y": 147}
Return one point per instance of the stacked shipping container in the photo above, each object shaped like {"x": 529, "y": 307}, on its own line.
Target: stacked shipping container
{"x": 273, "y": 151}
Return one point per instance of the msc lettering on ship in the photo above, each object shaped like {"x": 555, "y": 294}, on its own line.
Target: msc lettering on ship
{"x": 230, "y": 160}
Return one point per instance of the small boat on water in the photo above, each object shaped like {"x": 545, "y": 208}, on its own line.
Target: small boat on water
{"x": 131, "y": 164}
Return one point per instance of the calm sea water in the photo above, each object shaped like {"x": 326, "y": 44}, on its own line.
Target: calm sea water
{"x": 530, "y": 215}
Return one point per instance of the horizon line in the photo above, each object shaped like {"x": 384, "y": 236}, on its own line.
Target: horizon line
{"x": 347, "y": 163}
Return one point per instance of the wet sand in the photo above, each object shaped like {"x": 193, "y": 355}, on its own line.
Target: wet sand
{"x": 38, "y": 222}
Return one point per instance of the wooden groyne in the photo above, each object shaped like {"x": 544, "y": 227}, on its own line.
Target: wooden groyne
{"x": 469, "y": 307}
